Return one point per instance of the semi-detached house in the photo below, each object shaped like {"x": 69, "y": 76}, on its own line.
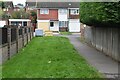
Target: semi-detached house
{"x": 57, "y": 16}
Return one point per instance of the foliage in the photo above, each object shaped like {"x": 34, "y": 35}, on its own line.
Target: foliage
{"x": 33, "y": 17}
{"x": 1, "y": 13}
{"x": 33, "y": 13}
{"x": 5, "y": 16}
{"x": 100, "y": 13}
{"x": 2, "y": 4}
{"x": 48, "y": 57}
{"x": 20, "y": 14}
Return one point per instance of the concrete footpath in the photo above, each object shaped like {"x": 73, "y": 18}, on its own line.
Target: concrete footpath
{"x": 97, "y": 59}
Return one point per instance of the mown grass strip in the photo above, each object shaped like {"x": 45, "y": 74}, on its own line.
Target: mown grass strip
{"x": 48, "y": 57}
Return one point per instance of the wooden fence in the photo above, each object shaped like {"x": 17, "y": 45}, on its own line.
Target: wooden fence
{"x": 12, "y": 39}
{"x": 105, "y": 39}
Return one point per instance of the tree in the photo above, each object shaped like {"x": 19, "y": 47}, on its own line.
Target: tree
{"x": 33, "y": 16}
{"x": 20, "y": 14}
{"x": 1, "y": 13}
{"x": 100, "y": 13}
{"x": 2, "y": 4}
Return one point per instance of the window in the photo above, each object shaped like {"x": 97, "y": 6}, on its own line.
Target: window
{"x": 74, "y": 11}
{"x": 51, "y": 24}
{"x": 60, "y": 23}
{"x": 16, "y": 23}
{"x": 24, "y": 23}
{"x": 44, "y": 11}
{"x": 63, "y": 11}
{"x": 63, "y": 23}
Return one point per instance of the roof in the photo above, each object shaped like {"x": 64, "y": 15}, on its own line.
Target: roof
{"x": 53, "y": 4}
{"x": 8, "y": 3}
{"x": 53, "y": 0}
{"x": 19, "y": 20}
{"x": 73, "y": 0}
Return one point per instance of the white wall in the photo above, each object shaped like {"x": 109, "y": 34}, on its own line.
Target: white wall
{"x": 55, "y": 27}
{"x": 62, "y": 17}
{"x": 74, "y": 25}
{"x": 2, "y": 23}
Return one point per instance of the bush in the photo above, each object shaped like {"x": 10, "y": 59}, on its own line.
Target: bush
{"x": 20, "y": 15}
{"x": 100, "y": 13}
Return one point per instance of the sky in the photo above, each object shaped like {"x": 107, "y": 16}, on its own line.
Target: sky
{"x": 23, "y": 1}
{"x": 17, "y": 1}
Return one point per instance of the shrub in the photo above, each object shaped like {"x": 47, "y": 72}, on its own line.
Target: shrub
{"x": 100, "y": 13}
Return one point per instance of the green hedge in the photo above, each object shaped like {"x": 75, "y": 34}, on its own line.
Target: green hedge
{"x": 100, "y": 13}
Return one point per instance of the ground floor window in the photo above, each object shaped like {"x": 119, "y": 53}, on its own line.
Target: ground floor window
{"x": 16, "y": 23}
{"x": 63, "y": 23}
{"x": 24, "y": 23}
{"x": 19, "y": 23}
{"x": 51, "y": 24}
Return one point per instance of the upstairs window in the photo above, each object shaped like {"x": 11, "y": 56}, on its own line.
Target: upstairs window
{"x": 74, "y": 11}
{"x": 63, "y": 11}
{"x": 44, "y": 11}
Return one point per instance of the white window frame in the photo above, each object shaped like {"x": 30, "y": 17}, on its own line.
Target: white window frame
{"x": 63, "y": 11}
{"x": 63, "y": 23}
{"x": 44, "y": 11}
{"x": 74, "y": 11}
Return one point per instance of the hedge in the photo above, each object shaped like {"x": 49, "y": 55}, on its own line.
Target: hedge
{"x": 100, "y": 13}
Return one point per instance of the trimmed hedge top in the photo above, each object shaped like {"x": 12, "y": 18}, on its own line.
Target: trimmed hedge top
{"x": 100, "y": 13}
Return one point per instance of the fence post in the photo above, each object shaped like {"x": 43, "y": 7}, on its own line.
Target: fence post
{"x": 9, "y": 41}
{"x": 17, "y": 39}
{"x": 26, "y": 33}
{"x": 23, "y": 36}
{"x": 32, "y": 30}
{"x": 30, "y": 33}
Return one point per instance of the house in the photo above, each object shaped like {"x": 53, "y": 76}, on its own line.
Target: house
{"x": 8, "y": 7}
{"x": 57, "y": 16}
{"x": 3, "y": 22}
{"x": 18, "y": 7}
{"x": 20, "y": 22}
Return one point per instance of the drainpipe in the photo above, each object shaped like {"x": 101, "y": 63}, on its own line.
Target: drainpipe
{"x": 36, "y": 4}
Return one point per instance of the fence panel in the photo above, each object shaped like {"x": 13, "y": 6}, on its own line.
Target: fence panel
{"x": 20, "y": 38}
{"x": 25, "y": 36}
{"x": 4, "y": 35}
{"x": 104, "y": 39}
{"x": 0, "y": 45}
{"x": 4, "y": 46}
{"x": 29, "y": 34}
{"x": 12, "y": 39}
{"x": 115, "y": 43}
{"x": 118, "y": 44}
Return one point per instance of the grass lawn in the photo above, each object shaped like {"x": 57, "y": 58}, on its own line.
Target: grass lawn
{"x": 65, "y": 33}
{"x": 48, "y": 57}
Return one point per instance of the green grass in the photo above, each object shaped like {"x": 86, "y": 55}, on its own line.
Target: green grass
{"x": 48, "y": 57}
{"x": 65, "y": 33}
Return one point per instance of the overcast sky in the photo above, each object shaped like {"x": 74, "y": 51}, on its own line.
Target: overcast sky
{"x": 17, "y": 1}
{"x": 23, "y": 1}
